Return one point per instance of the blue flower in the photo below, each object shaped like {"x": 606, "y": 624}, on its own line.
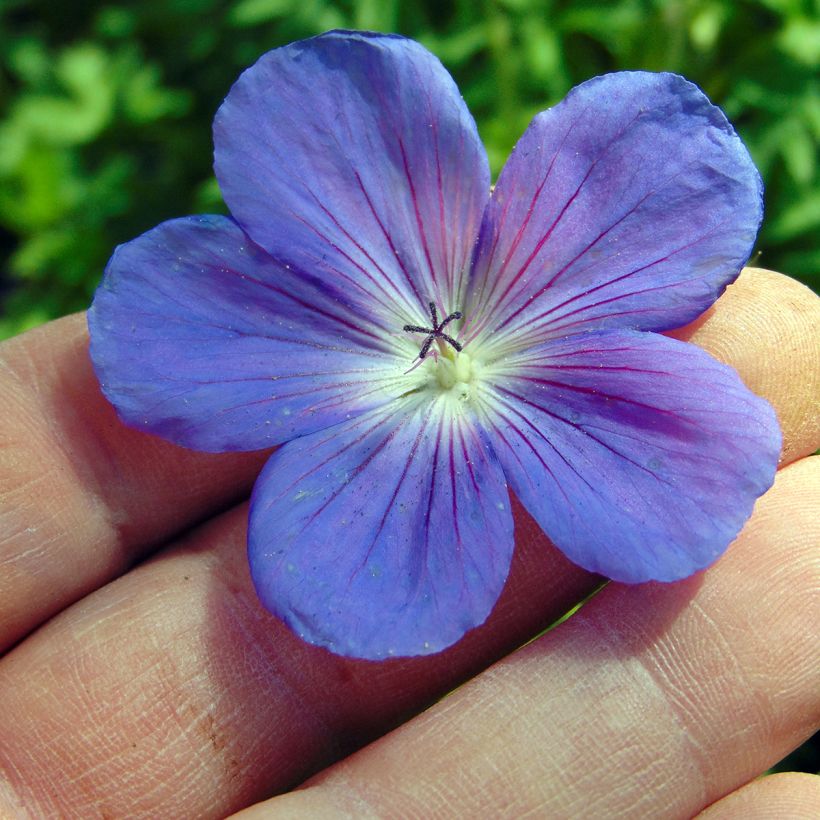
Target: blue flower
{"x": 419, "y": 347}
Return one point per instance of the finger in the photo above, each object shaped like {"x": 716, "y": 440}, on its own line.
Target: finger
{"x": 652, "y": 701}
{"x": 173, "y": 674}
{"x": 792, "y": 795}
{"x": 767, "y": 305}
{"x": 82, "y": 496}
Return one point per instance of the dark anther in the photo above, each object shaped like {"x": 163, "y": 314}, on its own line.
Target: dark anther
{"x": 436, "y": 331}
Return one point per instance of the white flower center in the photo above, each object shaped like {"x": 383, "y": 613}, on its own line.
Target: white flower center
{"x": 454, "y": 369}
{"x": 454, "y": 377}
{"x": 446, "y": 371}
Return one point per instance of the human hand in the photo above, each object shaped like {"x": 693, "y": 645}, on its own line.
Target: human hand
{"x": 142, "y": 678}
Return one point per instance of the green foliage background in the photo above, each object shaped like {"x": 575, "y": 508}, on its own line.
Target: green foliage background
{"x": 105, "y": 107}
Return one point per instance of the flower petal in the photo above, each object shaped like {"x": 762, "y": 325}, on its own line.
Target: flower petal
{"x": 632, "y": 203}
{"x": 352, "y": 155}
{"x": 640, "y": 456}
{"x": 388, "y": 535}
{"x": 197, "y": 335}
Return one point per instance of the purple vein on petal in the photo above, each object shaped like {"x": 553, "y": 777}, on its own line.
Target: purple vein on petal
{"x": 598, "y": 492}
{"x": 419, "y": 222}
{"x": 405, "y": 469}
{"x": 554, "y": 328}
{"x": 313, "y": 307}
{"x": 340, "y": 400}
{"x": 583, "y": 428}
{"x": 550, "y": 282}
{"x": 589, "y": 391}
{"x": 309, "y": 307}
{"x": 651, "y": 193}
{"x": 520, "y": 433}
{"x": 283, "y": 376}
{"x": 422, "y": 553}
{"x": 642, "y": 291}
{"x": 348, "y": 446}
{"x": 386, "y": 234}
{"x": 503, "y": 298}
{"x": 360, "y": 351}
{"x": 484, "y": 299}
{"x": 447, "y": 248}
{"x": 536, "y": 362}
{"x": 539, "y": 433}
{"x": 390, "y": 306}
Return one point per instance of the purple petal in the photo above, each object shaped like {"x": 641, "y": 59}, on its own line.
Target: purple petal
{"x": 632, "y": 203}
{"x": 640, "y": 456}
{"x": 387, "y": 535}
{"x": 197, "y": 335}
{"x": 352, "y": 155}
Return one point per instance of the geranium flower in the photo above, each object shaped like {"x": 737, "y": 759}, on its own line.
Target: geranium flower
{"x": 419, "y": 347}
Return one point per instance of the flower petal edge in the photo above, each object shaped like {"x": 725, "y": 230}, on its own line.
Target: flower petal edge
{"x": 632, "y": 203}
{"x": 640, "y": 456}
{"x": 389, "y": 535}
{"x": 198, "y": 336}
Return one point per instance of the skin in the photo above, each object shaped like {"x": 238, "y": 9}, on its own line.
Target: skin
{"x": 142, "y": 678}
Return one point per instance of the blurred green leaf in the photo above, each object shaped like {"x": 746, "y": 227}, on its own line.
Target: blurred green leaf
{"x": 706, "y": 26}
{"x": 801, "y": 217}
{"x": 460, "y": 47}
{"x": 145, "y": 100}
{"x": 82, "y": 113}
{"x": 43, "y": 190}
{"x": 115, "y": 21}
{"x": 800, "y": 39}
{"x": 29, "y": 59}
{"x": 254, "y": 12}
{"x": 375, "y": 15}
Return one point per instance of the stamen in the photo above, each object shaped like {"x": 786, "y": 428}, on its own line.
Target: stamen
{"x": 436, "y": 331}
{"x": 452, "y": 341}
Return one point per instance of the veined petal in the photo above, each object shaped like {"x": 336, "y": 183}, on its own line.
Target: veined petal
{"x": 632, "y": 203}
{"x": 388, "y": 535}
{"x": 640, "y": 456}
{"x": 197, "y": 335}
{"x": 352, "y": 155}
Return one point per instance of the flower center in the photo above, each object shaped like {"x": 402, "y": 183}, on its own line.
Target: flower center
{"x": 454, "y": 370}
{"x": 448, "y": 370}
